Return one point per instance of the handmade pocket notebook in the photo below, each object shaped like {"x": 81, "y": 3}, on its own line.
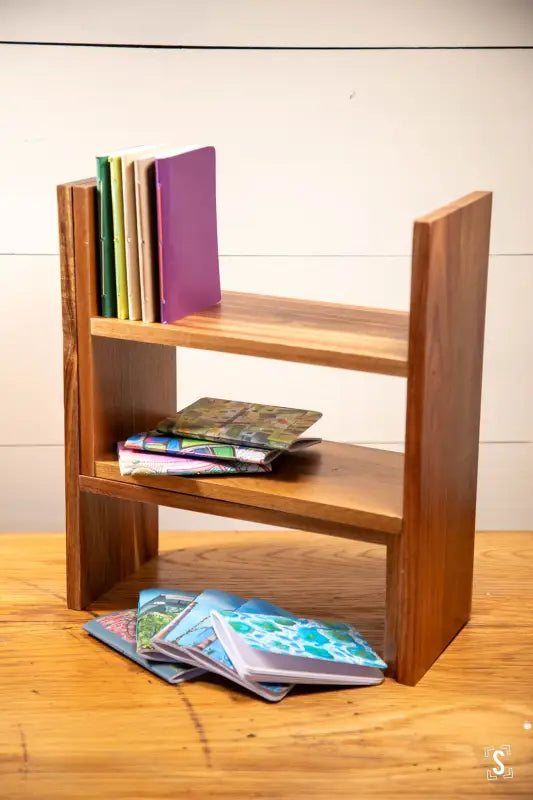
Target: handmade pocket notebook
{"x": 118, "y": 631}
{"x": 130, "y": 228}
{"x": 283, "y": 648}
{"x": 152, "y": 442}
{"x": 119, "y": 236}
{"x": 157, "y": 607}
{"x": 191, "y": 638}
{"x": 108, "y": 288}
{"x": 234, "y": 422}
{"x": 134, "y": 462}
{"x": 189, "y": 279}
{"x": 147, "y": 242}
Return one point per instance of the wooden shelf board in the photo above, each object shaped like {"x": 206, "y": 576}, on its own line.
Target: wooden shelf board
{"x": 350, "y": 337}
{"x": 334, "y": 485}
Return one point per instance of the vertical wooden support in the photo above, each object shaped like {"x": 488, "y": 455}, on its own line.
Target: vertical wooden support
{"x": 111, "y": 389}
{"x": 429, "y": 575}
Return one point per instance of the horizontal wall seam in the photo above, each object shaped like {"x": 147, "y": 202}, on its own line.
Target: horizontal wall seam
{"x": 294, "y": 255}
{"x": 122, "y": 45}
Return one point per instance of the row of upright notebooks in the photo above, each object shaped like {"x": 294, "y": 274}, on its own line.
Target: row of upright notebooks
{"x": 158, "y": 232}
{"x": 266, "y": 649}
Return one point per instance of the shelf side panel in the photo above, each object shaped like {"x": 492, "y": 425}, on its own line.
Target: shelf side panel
{"x": 106, "y": 537}
{"x": 431, "y": 565}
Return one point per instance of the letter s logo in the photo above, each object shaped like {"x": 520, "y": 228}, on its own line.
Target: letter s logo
{"x": 495, "y": 758}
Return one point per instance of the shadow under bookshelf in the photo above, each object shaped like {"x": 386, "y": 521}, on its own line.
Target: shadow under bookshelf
{"x": 120, "y": 378}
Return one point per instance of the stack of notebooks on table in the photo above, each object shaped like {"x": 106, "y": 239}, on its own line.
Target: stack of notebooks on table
{"x": 264, "y": 648}
{"x": 217, "y": 437}
{"x": 158, "y": 232}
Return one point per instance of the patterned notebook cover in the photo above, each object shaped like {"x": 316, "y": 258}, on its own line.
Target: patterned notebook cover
{"x": 269, "y": 427}
{"x": 118, "y": 631}
{"x": 191, "y": 637}
{"x": 154, "y": 442}
{"x": 309, "y": 638}
{"x": 157, "y": 607}
{"x": 134, "y": 462}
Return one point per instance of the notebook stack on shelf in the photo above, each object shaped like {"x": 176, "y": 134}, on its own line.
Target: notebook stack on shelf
{"x": 217, "y": 437}
{"x": 158, "y": 232}
{"x": 261, "y": 647}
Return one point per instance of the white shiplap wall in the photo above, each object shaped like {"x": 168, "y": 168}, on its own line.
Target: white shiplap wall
{"x": 324, "y": 159}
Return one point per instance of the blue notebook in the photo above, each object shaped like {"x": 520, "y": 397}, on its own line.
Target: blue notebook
{"x": 118, "y": 631}
{"x": 286, "y": 648}
{"x": 191, "y": 638}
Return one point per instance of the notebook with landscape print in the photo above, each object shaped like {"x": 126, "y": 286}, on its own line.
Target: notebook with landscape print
{"x": 191, "y": 638}
{"x": 134, "y": 462}
{"x": 235, "y": 422}
{"x": 286, "y": 648}
{"x": 154, "y": 442}
{"x": 118, "y": 630}
{"x": 157, "y": 607}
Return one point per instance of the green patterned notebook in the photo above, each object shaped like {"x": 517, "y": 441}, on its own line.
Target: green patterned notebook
{"x": 271, "y": 427}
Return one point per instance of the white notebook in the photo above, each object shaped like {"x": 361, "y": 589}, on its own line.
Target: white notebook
{"x": 284, "y": 649}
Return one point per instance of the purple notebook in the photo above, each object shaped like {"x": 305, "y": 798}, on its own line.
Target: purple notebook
{"x": 187, "y": 232}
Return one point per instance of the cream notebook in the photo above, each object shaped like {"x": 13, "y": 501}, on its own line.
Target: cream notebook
{"x": 130, "y": 229}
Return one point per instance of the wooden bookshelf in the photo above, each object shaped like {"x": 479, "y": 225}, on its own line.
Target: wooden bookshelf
{"x": 120, "y": 378}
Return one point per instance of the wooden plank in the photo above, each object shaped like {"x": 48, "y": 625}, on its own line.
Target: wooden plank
{"x": 62, "y": 716}
{"x": 280, "y": 23}
{"x": 129, "y": 490}
{"x": 107, "y": 538}
{"x": 70, "y": 392}
{"x": 338, "y": 483}
{"x": 275, "y": 196}
{"x": 430, "y": 568}
{"x": 369, "y": 339}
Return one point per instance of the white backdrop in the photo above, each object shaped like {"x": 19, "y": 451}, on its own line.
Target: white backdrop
{"x": 325, "y": 157}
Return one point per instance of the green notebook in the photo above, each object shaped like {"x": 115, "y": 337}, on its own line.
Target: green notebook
{"x": 108, "y": 289}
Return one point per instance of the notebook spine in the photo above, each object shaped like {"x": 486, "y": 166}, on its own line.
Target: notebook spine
{"x": 160, "y": 248}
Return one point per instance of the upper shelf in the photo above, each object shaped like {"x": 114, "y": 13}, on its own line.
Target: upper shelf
{"x": 367, "y": 339}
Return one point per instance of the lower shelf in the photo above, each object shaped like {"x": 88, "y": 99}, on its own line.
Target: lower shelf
{"x": 337, "y": 488}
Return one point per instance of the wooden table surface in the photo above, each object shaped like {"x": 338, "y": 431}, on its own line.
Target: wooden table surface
{"x": 78, "y": 720}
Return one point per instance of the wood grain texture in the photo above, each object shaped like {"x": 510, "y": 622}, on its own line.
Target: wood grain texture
{"x": 128, "y": 490}
{"x": 430, "y": 568}
{"x": 78, "y": 720}
{"x": 107, "y": 537}
{"x": 333, "y": 335}
{"x": 124, "y": 386}
{"x": 336, "y": 483}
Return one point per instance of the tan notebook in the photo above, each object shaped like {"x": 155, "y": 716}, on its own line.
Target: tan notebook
{"x": 144, "y": 170}
{"x": 130, "y": 229}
